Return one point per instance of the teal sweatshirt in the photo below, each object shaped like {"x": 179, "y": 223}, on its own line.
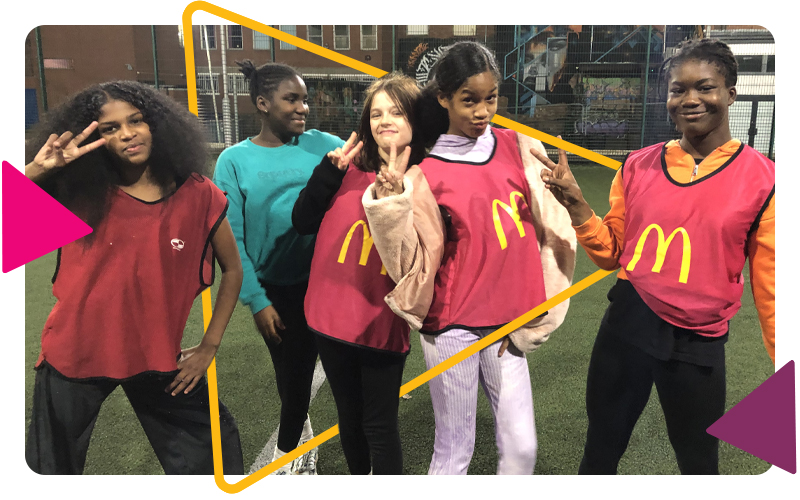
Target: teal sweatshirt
{"x": 262, "y": 185}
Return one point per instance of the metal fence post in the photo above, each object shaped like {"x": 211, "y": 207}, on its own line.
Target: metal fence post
{"x": 41, "y": 68}
{"x": 752, "y": 130}
{"x": 272, "y": 42}
{"x": 226, "y": 105}
{"x": 155, "y": 54}
{"x": 771, "y": 153}
{"x": 517, "y": 37}
{"x": 646, "y": 84}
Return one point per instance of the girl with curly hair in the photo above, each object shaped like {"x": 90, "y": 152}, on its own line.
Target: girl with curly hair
{"x": 263, "y": 176}
{"x": 360, "y": 309}
{"x": 124, "y": 292}
{"x": 684, "y": 217}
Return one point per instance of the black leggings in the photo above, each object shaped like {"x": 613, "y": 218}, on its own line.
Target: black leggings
{"x": 294, "y": 360}
{"x": 366, "y": 387}
{"x": 620, "y": 380}
{"x": 178, "y": 427}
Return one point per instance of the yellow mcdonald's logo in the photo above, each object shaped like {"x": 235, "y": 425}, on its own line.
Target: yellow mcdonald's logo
{"x": 661, "y": 251}
{"x": 366, "y": 244}
{"x": 513, "y": 212}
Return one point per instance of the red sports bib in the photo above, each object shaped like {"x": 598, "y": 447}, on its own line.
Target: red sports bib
{"x": 347, "y": 283}
{"x": 685, "y": 244}
{"x": 491, "y": 272}
{"x": 123, "y": 301}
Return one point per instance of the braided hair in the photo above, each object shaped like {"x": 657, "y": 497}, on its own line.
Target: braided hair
{"x": 707, "y": 50}
{"x": 265, "y": 79}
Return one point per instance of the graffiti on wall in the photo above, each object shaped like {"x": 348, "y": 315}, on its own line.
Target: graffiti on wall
{"x": 545, "y": 57}
{"x": 422, "y": 59}
{"x": 608, "y": 105}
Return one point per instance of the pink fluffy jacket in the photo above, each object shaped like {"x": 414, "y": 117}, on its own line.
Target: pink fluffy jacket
{"x": 409, "y": 233}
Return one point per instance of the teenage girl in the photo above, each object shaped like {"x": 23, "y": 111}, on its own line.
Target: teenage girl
{"x": 362, "y": 343}
{"x": 263, "y": 176}
{"x": 684, "y": 216}
{"x": 509, "y": 247}
{"x": 124, "y": 292}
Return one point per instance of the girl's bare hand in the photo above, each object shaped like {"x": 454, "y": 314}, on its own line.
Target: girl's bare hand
{"x": 559, "y": 180}
{"x": 61, "y": 150}
{"x": 341, "y": 157}
{"x": 192, "y": 366}
{"x": 389, "y": 181}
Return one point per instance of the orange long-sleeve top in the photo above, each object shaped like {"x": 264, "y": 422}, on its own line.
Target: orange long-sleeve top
{"x": 603, "y": 238}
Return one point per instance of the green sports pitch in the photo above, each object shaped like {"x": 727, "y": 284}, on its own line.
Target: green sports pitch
{"x": 558, "y": 375}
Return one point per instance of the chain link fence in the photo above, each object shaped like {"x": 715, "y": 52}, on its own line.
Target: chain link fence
{"x": 600, "y": 87}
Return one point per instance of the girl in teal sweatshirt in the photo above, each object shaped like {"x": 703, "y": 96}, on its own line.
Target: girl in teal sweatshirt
{"x": 263, "y": 176}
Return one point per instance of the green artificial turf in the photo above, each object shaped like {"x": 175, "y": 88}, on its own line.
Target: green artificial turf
{"x": 558, "y": 375}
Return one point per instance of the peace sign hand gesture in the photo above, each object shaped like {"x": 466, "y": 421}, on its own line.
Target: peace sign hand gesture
{"x": 58, "y": 151}
{"x": 389, "y": 181}
{"x": 341, "y": 157}
{"x": 560, "y": 181}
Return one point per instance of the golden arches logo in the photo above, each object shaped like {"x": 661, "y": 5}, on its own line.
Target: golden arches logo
{"x": 366, "y": 244}
{"x": 513, "y": 212}
{"x": 661, "y": 251}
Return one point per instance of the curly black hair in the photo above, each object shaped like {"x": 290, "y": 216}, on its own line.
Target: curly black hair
{"x": 404, "y": 93}
{"x": 455, "y": 66}
{"x": 708, "y": 50}
{"x": 85, "y": 185}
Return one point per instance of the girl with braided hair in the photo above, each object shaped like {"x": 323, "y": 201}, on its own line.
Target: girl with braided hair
{"x": 684, "y": 216}
{"x": 124, "y": 292}
{"x": 263, "y": 176}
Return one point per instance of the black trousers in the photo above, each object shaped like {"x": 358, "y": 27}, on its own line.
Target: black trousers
{"x": 294, "y": 360}
{"x": 366, "y": 387}
{"x": 178, "y": 427}
{"x": 621, "y": 377}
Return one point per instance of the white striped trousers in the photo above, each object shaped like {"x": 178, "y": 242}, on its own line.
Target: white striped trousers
{"x": 506, "y": 382}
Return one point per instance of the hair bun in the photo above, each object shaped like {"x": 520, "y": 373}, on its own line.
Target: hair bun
{"x": 247, "y": 68}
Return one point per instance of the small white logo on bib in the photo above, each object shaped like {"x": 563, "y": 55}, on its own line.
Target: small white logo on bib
{"x": 177, "y": 244}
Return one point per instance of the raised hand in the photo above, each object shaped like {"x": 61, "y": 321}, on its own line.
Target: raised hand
{"x": 341, "y": 157}
{"x": 61, "y": 150}
{"x": 389, "y": 181}
{"x": 559, "y": 180}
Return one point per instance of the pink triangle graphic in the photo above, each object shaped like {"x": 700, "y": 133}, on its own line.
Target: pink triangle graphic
{"x": 763, "y": 423}
{"x": 33, "y": 222}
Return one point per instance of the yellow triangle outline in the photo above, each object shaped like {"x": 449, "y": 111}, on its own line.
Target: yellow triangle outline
{"x": 213, "y": 395}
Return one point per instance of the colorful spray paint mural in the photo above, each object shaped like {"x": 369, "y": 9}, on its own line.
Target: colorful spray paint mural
{"x": 608, "y": 105}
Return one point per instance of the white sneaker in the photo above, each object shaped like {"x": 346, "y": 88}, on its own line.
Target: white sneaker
{"x": 290, "y": 469}
{"x": 293, "y": 468}
{"x": 309, "y": 466}
{"x": 309, "y": 462}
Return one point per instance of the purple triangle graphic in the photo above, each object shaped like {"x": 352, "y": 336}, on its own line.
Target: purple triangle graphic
{"x": 763, "y": 423}
{"x": 33, "y": 222}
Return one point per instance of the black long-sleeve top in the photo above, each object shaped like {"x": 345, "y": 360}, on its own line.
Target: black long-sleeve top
{"x": 315, "y": 198}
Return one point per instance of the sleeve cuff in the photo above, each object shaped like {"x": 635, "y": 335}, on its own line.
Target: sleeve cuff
{"x": 329, "y": 169}
{"x": 259, "y": 304}
{"x": 588, "y": 228}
